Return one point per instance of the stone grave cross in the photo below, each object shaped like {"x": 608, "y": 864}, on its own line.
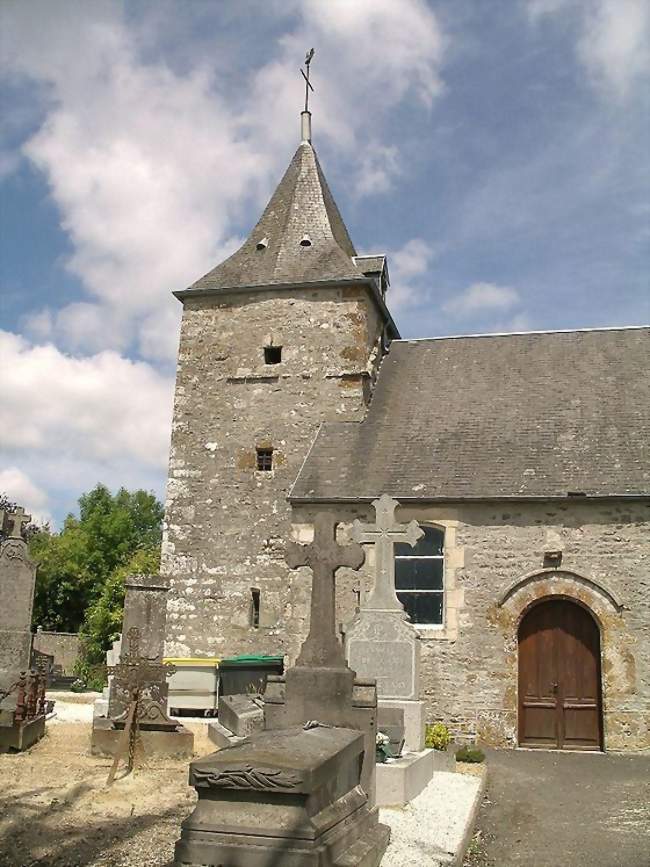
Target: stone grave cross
{"x": 384, "y": 533}
{"x": 324, "y": 556}
{"x": 16, "y": 520}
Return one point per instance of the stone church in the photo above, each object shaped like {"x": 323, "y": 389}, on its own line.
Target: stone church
{"x": 523, "y": 457}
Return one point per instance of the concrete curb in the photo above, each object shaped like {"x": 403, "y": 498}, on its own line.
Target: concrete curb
{"x": 461, "y": 851}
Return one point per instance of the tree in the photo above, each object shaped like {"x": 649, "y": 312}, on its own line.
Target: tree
{"x": 75, "y": 564}
{"x": 103, "y": 620}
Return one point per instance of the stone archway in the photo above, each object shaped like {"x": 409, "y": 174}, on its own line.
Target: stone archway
{"x": 617, "y": 662}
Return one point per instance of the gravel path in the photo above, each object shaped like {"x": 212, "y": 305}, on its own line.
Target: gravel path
{"x": 428, "y": 831}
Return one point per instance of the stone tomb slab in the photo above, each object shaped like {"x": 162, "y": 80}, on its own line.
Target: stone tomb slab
{"x": 288, "y": 797}
{"x": 175, "y": 743}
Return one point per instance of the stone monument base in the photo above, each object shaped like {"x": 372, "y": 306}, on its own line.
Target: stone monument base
{"x": 221, "y": 736}
{"x": 21, "y": 736}
{"x": 415, "y": 717}
{"x": 400, "y": 780}
{"x": 243, "y": 715}
{"x": 331, "y": 696}
{"x": 172, "y": 743}
{"x": 284, "y": 797}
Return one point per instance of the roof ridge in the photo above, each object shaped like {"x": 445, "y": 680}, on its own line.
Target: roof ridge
{"x": 522, "y": 333}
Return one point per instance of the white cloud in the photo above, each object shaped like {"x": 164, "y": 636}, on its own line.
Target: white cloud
{"x": 615, "y": 45}
{"x": 480, "y": 298}
{"x": 407, "y": 266}
{"x": 101, "y": 408}
{"x": 21, "y": 489}
{"x": 150, "y": 166}
{"x": 612, "y": 38}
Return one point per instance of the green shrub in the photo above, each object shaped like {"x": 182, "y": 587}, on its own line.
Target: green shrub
{"x": 470, "y": 754}
{"x": 437, "y": 736}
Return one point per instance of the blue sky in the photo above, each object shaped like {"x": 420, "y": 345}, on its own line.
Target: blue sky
{"x": 497, "y": 152}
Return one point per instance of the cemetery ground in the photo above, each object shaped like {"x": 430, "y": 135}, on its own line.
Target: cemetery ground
{"x": 56, "y": 810}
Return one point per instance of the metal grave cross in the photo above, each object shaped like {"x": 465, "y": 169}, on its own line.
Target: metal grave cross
{"x": 133, "y": 672}
{"x": 384, "y": 533}
{"x": 321, "y": 648}
{"x": 15, "y": 520}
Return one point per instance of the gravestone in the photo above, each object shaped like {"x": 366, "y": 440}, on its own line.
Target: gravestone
{"x": 380, "y": 641}
{"x": 382, "y": 644}
{"x": 139, "y": 676}
{"x": 294, "y": 795}
{"x": 22, "y": 691}
{"x": 17, "y": 581}
{"x": 145, "y": 609}
{"x": 321, "y": 685}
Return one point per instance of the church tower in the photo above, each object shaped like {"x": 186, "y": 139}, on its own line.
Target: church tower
{"x": 286, "y": 333}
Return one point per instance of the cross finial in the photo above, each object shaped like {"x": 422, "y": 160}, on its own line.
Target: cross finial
{"x": 15, "y": 520}
{"x": 305, "y": 75}
{"x": 324, "y": 556}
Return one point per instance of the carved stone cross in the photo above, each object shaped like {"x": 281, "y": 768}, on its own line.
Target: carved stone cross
{"x": 321, "y": 648}
{"x": 15, "y": 520}
{"x": 384, "y": 533}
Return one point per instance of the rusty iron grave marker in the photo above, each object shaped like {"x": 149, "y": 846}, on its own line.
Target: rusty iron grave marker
{"x": 138, "y": 678}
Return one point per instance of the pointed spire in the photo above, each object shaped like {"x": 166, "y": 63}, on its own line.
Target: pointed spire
{"x": 300, "y": 237}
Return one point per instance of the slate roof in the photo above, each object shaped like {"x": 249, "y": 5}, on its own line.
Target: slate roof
{"x": 518, "y": 415}
{"x": 301, "y": 204}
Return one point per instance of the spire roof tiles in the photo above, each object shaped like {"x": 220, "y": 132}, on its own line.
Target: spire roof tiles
{"x": 302, "y": 205}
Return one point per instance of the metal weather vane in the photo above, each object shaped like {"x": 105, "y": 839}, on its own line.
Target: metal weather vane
{"x": 305, "y": 75}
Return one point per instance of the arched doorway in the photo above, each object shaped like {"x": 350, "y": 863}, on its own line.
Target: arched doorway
{"x": 559, "y": 677}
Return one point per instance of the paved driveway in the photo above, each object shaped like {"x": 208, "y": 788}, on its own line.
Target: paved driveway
{"x": 550, "y": 809}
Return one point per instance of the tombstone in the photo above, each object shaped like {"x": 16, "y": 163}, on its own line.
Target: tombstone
{"x": 100, "y": 705}
{"x": 22, "y": 691}
{"x": 382, "y": 644}
{"x": 17, "y": 581}
{"x": 140, "y": 677}
{"x": 240, "y": 716}
{"x": 297, "y": 794}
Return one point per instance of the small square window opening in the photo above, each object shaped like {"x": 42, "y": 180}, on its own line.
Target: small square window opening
{"x": 272, "y": 354}
{"x": 265, "y": 460}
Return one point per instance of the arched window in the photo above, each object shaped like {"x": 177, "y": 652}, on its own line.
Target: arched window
{"x": 419, "y": 577}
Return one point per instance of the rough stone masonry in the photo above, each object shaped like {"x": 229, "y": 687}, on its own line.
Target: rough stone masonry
{"x": 530, "y": 452}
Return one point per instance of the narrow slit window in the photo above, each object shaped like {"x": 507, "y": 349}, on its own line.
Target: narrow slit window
{"x": 265, "y": 460}
{"x": 255, "y": 607}
{"x": 272, "y": 354}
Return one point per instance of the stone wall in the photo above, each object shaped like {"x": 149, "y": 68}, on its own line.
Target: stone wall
{"x": 494, "y": 570}
{"x": 227, "y": 523}
{"x": 63, "y": 646}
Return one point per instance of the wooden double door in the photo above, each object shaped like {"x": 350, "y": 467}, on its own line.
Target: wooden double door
{"x": 559, "y": 678}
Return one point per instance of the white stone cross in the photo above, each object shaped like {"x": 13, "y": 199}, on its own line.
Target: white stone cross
{"x": 384, "y": 533}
